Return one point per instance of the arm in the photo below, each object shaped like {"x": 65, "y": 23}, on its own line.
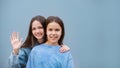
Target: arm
{"x": 64, "y": 48}
{"x": 70, "y": 63}
{"x": 13, "y": 61}
{"x": 67, "y": 60}
{"x": 16, "y": 43}
{"x": 18, "y": 61}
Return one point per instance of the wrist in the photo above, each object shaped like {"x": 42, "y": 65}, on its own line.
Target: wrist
{"x": 15, "y": 51}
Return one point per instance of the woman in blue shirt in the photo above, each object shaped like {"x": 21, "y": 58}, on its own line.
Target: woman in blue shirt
{"x": 47, "y": 55}
{"x": 36, "y": 36}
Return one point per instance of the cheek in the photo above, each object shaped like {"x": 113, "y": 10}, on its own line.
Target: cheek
{"x": 60, "y": 33}
{"x": 48, "y": 32}
{"x": 42, "y": 31}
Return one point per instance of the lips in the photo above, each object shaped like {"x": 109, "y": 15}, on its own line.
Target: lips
{"x": 38, "y": 34}
{"x": 53, "y": 37}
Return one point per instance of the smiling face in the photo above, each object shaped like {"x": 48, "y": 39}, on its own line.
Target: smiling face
{"x": 54, "y": 32}
{"x": 37, "y": 30}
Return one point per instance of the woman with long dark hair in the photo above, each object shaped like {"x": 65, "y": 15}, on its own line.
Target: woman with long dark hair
{"x": 36, "y": 36}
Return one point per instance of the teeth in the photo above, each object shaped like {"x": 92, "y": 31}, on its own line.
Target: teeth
{"x": 38, "y": 34}
{"x": 53, "y": 37}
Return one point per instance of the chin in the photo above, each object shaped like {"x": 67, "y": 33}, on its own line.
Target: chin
{"x": 54, "y": 41}
{"x": 39, "y": 37}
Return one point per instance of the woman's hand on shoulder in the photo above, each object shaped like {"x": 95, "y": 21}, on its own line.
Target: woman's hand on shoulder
{"x": 64, "y": 48}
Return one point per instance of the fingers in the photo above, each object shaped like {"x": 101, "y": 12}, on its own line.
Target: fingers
{"x": 21, "y": 41}
{"x": 13, "y": 36}
{"x": 62, "y": 49}
{"x": 18, "y": 36}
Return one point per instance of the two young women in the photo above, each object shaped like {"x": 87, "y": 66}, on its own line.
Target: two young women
{"x": 47, "y": 55}
{"x": 36, "y": 36}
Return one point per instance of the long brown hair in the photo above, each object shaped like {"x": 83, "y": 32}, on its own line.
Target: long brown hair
{"x": 31, "y": 40}
{"x": 60, "y": 22}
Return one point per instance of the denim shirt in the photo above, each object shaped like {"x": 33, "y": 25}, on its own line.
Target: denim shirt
{"x": 20, "y": 60}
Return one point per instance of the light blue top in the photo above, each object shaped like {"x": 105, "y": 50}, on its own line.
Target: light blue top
{"x": 20, "y": 60}
{"x": 48, "y": 56}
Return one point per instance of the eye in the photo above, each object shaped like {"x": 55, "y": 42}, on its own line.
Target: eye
{"x": 50, "y": 29}
{"x": 33, "y": 28}
{"x": 57, "y": 29}
{"x": 40, "y": 27}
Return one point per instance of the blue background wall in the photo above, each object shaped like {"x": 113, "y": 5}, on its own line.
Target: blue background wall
{"x": 92, "y": 28}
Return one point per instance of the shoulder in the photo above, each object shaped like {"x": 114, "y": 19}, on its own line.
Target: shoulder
{"x": 67, "y": 53}
{"x": 38, "y": 47}
{"x": 26, "y": 50}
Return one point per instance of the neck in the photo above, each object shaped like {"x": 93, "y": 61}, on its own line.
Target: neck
{"x": 53, "y": 44}
{"x": 40, "y": 40}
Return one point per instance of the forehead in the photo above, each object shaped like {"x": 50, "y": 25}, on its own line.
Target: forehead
{"x": 54, "y": 24}
{"x": 36, "y": 23}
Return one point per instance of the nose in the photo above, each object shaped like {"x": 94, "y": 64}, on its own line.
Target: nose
{"x": 53, "y": 32}
{"x": 37, "y": 30}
